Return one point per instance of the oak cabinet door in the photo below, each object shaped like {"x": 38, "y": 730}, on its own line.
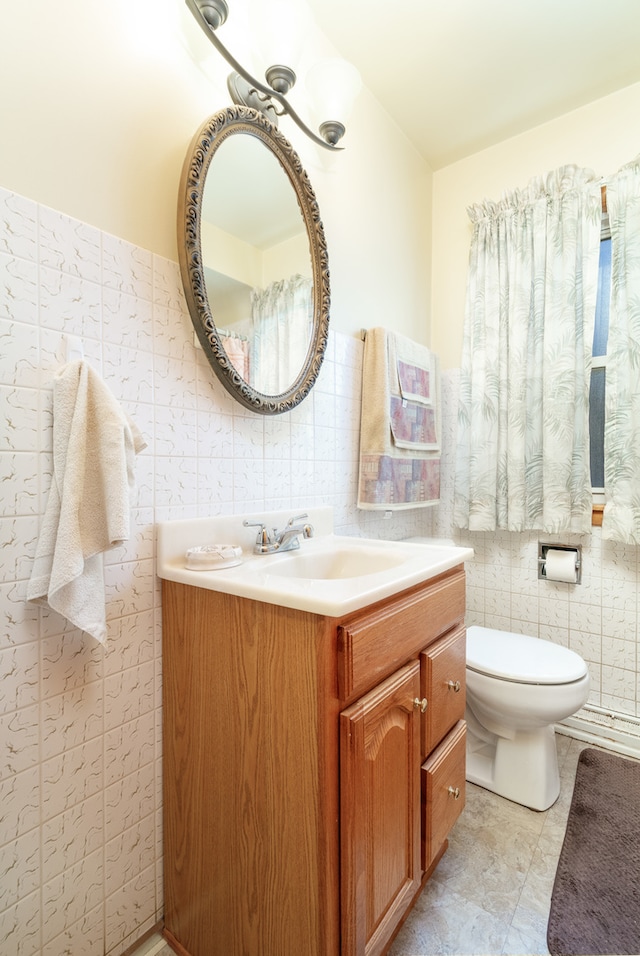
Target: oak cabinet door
{"x": 380, "y": 811}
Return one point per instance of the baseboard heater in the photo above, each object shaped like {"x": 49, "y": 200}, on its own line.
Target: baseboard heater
{"x": 604, "y": 728}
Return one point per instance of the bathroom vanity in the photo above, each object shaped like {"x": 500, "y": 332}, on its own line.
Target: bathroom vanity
{"x": 313, "y": 764}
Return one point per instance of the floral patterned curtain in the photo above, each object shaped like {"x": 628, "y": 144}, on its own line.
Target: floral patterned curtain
{"x": 621, "y": 519}
{"x": 523, "y": 429}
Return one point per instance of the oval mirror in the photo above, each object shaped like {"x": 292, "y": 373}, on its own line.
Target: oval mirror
{"x": 253, "y": 260}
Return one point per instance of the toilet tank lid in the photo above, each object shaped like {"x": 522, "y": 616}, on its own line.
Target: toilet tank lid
{"x": 518, "y": 657}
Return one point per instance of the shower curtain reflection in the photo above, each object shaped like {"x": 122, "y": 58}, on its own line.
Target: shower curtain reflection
{"x": 282, "y": 320}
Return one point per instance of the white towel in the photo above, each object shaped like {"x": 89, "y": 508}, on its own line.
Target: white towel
{"x": 87, "y": 512}
{"x": 399, "y": 438}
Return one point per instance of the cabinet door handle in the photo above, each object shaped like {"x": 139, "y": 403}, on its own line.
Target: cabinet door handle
{"x": 454, "y": 685}
{"x": 455, "y": 792}
{"x": 422, "y": 704}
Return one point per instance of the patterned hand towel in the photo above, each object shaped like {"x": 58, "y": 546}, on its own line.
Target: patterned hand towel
{"x": 87, "y": 512}
{"x": 400, "y": 424}
{"x": 414, "y": 409}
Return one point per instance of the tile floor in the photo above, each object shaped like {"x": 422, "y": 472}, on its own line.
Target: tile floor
{"x": 490, "y": 893}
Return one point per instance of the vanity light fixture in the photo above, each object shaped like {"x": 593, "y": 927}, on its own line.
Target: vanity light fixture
{"x": 247, "y": 91}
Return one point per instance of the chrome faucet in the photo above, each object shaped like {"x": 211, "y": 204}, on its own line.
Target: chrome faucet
{"x": 277, "y": 541}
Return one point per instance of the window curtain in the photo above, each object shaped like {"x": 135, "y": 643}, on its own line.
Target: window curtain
{"x": 282, "y": 316}
{"x": 523, "y": 424}
{"x": 621, "y": 519}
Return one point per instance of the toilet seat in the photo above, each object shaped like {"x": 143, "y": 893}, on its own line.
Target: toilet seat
{"x": 521, "y": 659}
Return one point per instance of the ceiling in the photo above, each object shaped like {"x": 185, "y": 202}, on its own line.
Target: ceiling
{"x": 458, "y": 76}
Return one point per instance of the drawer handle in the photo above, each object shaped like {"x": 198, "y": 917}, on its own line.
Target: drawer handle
{"x": 455, "y": 792}
{"x": 422, "y": 704}
{"x": 454, "y": 685}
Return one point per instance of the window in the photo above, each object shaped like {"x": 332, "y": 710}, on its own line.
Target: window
{"x": 598, "y": 366}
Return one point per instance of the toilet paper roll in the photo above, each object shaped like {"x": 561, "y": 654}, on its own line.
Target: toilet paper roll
{"x": 561, "y": 566}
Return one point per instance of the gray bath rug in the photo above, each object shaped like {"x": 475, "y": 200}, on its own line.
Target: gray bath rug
{"x": 595, "y": 906}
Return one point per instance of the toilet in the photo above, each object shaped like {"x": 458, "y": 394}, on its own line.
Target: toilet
{"x": 517, "y": 688}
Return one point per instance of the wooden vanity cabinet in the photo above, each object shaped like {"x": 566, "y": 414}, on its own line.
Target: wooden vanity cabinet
{"x": 300, "y": 773}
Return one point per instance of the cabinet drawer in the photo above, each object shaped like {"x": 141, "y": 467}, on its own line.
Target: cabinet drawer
{"x": 374, "y": 644}
{"x": 443, "y": 669}
{"x": 443, "y": 791}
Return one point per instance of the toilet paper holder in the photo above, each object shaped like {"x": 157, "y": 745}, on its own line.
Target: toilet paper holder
{"x": 542, "y": 558}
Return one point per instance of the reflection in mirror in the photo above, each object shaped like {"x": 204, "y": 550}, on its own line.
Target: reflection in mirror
{"x": 254, "y": 260}
{"x": 253, "y": 229}
{"x": 255, "y": 324}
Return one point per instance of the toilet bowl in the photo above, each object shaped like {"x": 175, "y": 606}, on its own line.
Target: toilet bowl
{"x": 517, "y": 688}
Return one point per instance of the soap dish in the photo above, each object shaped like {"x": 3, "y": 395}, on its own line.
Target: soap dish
{"x": 212, "y": 557}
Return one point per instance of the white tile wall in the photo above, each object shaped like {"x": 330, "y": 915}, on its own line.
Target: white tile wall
{"x": 80, "y": 729}
{"x": 597, "y": 618}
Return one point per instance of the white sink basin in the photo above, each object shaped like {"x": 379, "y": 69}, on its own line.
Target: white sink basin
{"x": 329, "y": 574}
{"x": 341, "y": 560}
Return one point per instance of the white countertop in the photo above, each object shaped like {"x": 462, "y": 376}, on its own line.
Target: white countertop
{"x": 281, "y": 578}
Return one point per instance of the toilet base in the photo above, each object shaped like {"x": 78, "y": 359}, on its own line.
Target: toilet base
{"x": 524, "y": 769}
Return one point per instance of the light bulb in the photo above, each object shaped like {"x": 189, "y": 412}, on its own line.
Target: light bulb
{"x": 280, "y": 29}
{"x": 333, "y": 86}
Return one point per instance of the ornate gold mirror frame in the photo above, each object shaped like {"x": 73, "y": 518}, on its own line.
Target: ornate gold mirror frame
{"x": 234, "y": 121}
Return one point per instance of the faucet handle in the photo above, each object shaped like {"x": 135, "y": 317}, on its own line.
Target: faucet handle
{"x": 254, "y": 524}
{"x": 296, "y": 518}
{"x": 262, "y": 538}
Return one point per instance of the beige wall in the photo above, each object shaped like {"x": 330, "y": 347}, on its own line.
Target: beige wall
{"x": 602, "y": 136}
{"x": 99, "y": 104}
